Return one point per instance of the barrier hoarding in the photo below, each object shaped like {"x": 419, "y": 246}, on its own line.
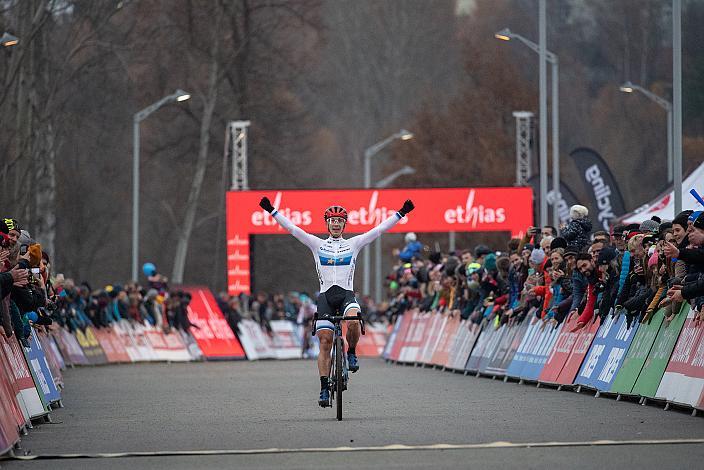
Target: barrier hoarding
{"x": 507, "y": 348}
{"x": 430, "y": 330}
{"x": 391, "y": 341}
{"x": 507, "y": 209}
{"x": 579, "y": 352}
{"x": 90, "y": 345}
{"x": 19, "y": 408}
{"x": 255, "y": 342}
{"x": 400, "y": 340}
{"x": 213, "y": 335}
{"x": 36, "y": 359}
{"x": 29, "y": 395}
{"x": 372, "y": 343}
{"x": 560, "y": 351}
{"x": 166, "y": 347}
{"x": 637, "y": 354}
{"x": 113, "y": 348}
{"x": 492, "y": 347}
{"x": 683, "y": 381}
{"x": 464, "y": 342}
{"x": 447, "y": 337}
{"x": 520, "y": 358}
{"x": 285, "y": 341}
{"x": 654, "y": 367}
{"x": 70, "y": 348}
{"x": 414, "y": 338}
{"x": 540, "y": 350}
{"x": 607, "y": 352}
{"x": 51, "y": 359}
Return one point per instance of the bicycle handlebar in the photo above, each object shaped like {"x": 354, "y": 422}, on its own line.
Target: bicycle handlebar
{"x": 340, "y": 318}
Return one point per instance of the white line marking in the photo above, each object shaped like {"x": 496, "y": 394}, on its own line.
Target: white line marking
{"x": 392, "y": 448}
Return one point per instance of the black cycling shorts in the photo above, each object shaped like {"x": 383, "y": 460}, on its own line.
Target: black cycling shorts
{"x": 334, "y": 301}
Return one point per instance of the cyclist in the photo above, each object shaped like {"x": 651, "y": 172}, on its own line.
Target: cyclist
{"x": 335, "y": 260}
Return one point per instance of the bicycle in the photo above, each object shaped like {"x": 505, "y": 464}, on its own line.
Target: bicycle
{"x": 339, "y": 373}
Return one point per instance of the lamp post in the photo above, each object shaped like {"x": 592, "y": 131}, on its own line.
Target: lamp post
{"x": 629, "y": 87}
{"x": 677, "y": 102}
{"x": 8, "y": 40}
{"x": 178, "y": 95}
{"x": 406, "y": 170}
{"x": 507, "y": 35}
{"x": 369, "y": 153}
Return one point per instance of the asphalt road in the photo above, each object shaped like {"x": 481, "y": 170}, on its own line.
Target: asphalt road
{"x": 231, "y": 406}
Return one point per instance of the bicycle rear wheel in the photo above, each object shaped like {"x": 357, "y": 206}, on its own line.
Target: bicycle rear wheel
{"x": 339, "y": 384}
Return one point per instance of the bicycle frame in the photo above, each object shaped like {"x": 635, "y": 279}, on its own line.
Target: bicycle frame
{"x": 339, "y": 372}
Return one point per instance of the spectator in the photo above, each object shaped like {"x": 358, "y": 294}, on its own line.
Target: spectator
{"x": 577, "y": 231}
{"x": 413, "y": 248}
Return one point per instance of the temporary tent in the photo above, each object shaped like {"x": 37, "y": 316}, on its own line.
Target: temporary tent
{"x": 664, "y": 205}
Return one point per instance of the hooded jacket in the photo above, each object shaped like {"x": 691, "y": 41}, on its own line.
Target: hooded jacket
{"x": 577, "y": 234}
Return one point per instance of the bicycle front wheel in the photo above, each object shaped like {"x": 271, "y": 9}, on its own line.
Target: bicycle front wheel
{"x": 339, "y": 375}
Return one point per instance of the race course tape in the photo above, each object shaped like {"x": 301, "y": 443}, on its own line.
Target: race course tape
{"x": 392, "y": 447}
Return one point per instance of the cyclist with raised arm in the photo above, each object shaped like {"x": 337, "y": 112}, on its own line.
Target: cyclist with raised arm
{"x": 335, "y": 260}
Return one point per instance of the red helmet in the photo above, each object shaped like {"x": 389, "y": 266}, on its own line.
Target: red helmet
{"x": 335, "y": 211}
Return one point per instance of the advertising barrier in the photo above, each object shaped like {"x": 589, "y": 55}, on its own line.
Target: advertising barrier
{"x": 51, "y": 358}
{"x": 29, "y": 395}
{"x": 415, "y": 339}
{"x": 683, "y": 381}
{"x": 113, "y": 348}
{"x": 285, "y": 341}
{"x": 212, "y": 333}
{"x": 447, "y": 337}
{"x": 429, "y": 329}
{"x": 492, "y": 347}
{"x": 256, "y": 344}
{"x": 391, "y": 341}
{"x": 520, "y": 358}
{"x": 579, "y": 352}
{"x": 607, "y": 353}
{"x": 507, "y": 348}
{"x": 560, "y": 352}
{"x": 485, "y": 335}
{"x": 90, "y": 346}
{"x": 41, "y": 372}
{"x": 637, "y": 354}
{"x": 656, "y": 363}
{"x": 464, "y": 342}
{"x": 68, "y": 344}
{"x": 166, "y": 347}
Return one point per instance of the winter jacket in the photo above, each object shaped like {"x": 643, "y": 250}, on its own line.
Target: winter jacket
{"x": 410, "y": 250}
{"x": 579, "y": 287}
{"x": 694, "y": 289}
{"x": 577, "y": 234}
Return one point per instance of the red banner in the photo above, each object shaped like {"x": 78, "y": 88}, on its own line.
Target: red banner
{"x": 213, "y": 335}
{"x": 437, "y": 210}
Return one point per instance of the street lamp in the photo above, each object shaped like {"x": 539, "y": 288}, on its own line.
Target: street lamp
{"x": 406, "y": 170}
{"x": 369, "y": 153}
{"x": 7, "y": 40}
{"x": 629, "y": 87}
{"x": 507, "y": 35}
{"x": 177, "y": 96}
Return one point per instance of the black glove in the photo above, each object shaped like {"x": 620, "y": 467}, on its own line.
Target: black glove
{"x": 407, "y": 207}
{"x": 265, "y": 204}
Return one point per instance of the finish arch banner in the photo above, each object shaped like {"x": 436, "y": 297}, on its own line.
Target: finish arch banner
{"x": 683, "y": 381}
{"x": 607, "y": 353}
{"x": 504, "y": 209}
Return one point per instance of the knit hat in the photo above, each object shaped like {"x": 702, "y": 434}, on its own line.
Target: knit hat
{"x": 649, "y": 226}
{"x": 681, "y": 218}
{"x": 693, "y": 216}
{"x": 607, "y": 255}
{"x": 558, "y": 242}
{"x": 9, "y": 224}
{"x": 537, "y": 256}
{"x": 490, "y": 262}
{"x": 578, "y": 212}
{"x": 653, "y": 260}
{"x": 699, "y": 223}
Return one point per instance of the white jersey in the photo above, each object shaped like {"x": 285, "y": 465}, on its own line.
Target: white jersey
{"x": 335, "y": 258}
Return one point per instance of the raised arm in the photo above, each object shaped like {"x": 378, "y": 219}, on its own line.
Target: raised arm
{"x": 311, "y": 241}
{"x": 366, "y": 238}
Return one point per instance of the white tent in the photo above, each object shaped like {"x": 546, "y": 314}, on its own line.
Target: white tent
{"x": 664, "y": 205}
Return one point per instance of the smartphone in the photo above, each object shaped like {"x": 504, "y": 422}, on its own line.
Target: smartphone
{"x": 23, "y": 249}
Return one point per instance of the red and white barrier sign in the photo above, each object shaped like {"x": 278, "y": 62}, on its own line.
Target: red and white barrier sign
{"x": 213, "y": 335}
{"x": 683, "y": 381}
{"x": 256, "y": 343}
{"x": 286, "y": 343}
{"x": 452, "y": 210}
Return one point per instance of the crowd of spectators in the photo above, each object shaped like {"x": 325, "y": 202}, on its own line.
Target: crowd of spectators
{"x": 31, "y": 295}
{"x": 572, "y": 272}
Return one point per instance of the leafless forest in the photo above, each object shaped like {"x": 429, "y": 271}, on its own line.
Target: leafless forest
{"x": 320, "y": 81}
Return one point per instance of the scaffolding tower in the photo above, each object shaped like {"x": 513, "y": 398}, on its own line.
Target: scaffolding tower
{"x": 524, "y": 146}
{"x": 236, "y": 149}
